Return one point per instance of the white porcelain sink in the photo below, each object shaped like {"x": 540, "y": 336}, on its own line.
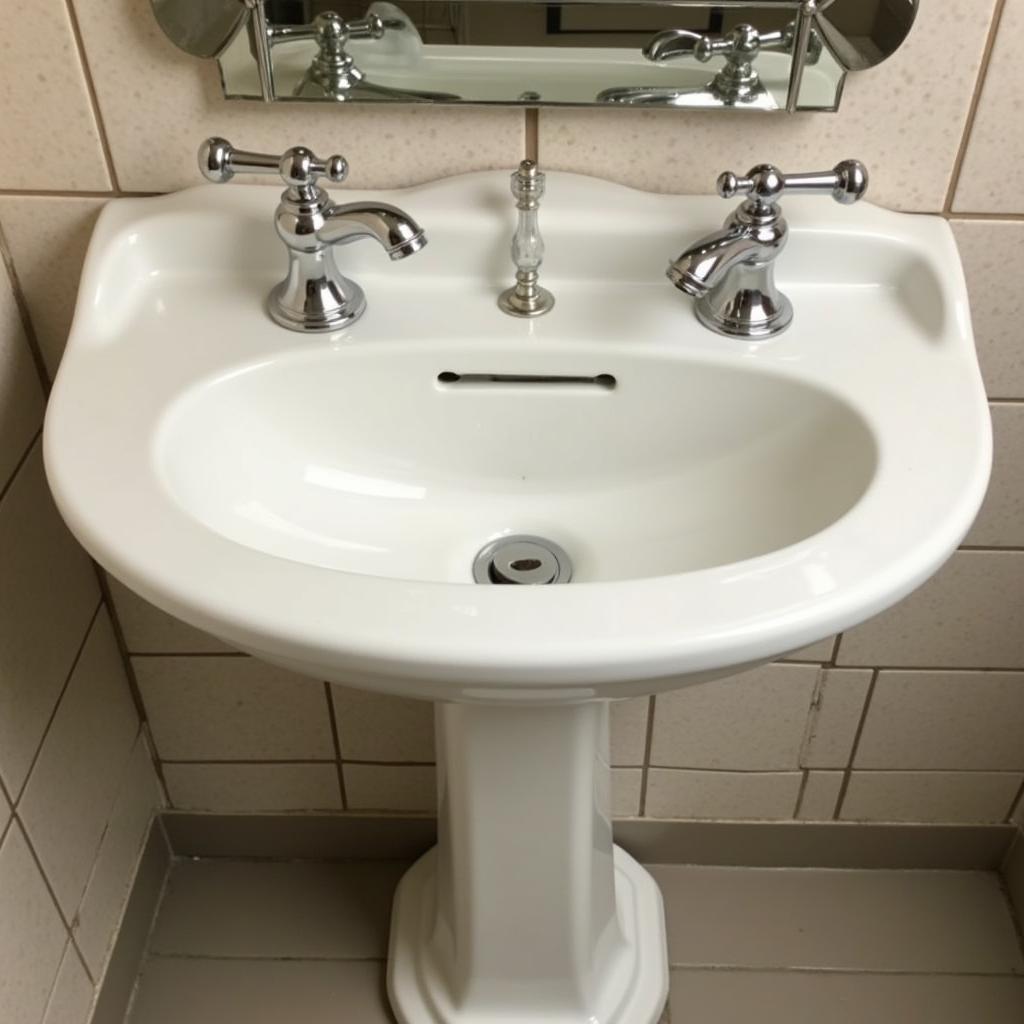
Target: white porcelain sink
{"x": 319, "y": 501}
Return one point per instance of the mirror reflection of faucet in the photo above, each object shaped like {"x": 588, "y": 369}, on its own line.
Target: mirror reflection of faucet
{"x": 736, "y": 84}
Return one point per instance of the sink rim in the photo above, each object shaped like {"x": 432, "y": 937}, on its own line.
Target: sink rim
{"x": 649, "y": 634}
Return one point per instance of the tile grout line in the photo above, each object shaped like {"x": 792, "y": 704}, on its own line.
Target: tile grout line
{"x": 1018, "y": 797}
{"x": 848, "y": 773}
{"x": 800, "y": 794}
{"x": 332, "y": 715}
{"x": 57, "y": 703}
{"x": 645, "y": 773}
{"x": 972, "y": 110}
{"x": 94, "y": 101}
{"x": 9, "y": 483}
{"x": 23, "y": 829}
{"x": 35, "y": 349}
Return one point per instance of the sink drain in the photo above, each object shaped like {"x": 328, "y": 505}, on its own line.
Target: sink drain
{"x": 524, "y": 561}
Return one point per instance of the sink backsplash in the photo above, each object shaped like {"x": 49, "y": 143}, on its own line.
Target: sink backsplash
{"x": 917, "y": 716}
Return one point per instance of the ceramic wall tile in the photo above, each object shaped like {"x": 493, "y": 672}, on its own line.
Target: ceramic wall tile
{"x": 155, "y": 131}
{"x": 1001, "y": 520}
{"x": 374, "y": 727}
{"x": 626, "y": 786}
{"x": 820, "y": 796}
{"x": 991, "y": 251}
{"x": 951, "y": 720}
{"x": 930, "y": 796}
{"x": 970, "y": 615}
{"x": 672, "y": 793}
{"x": 997, "y": 137}
{"x": 242, "y": 788}
{"x": 71, "y": 999}
{"x": 909, "y": 145}
{"x": 836, "y": 714}
{"x": 374, "y": 787}
{"x": 754, "y": 721}
{"x": 109, "y": 885}
{"x": 48, "y": 133}
{"x": 233, "y": 709}
{"x": 5, "y": 812}
{"x": 32, "y": 936}
{"x": 48, "y": 238}
{"x": 21, "y": 396}
{"x": 47, "y": 599}
{"x": 629, "y": 731}
{"x": 819, "y": 652}
{"x": 74, "y": 784}
{"x": 148, "y": 630}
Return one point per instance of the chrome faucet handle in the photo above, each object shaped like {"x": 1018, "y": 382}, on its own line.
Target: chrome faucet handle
{"x": 298, "y": 167}
{"x": 847, "y": 183}
{"x": 743, "y": 42}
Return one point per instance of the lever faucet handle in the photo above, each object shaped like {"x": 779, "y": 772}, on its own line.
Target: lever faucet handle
{"x": 298, "y": 167}
{"x": 847, "y": 183}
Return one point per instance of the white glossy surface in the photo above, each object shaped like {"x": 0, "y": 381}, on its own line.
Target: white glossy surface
{"x": 318, "y": 500}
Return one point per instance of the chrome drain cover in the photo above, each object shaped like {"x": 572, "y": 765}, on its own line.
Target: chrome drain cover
{"x": 523, "y": 561}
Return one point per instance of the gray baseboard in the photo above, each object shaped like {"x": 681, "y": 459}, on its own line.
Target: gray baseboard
{"x": 122, "y": 971}
{"x": 740, "y": 844}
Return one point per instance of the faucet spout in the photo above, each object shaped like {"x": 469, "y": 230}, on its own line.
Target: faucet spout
{"x": 705, "y": 264}
{"x": 394, "y": 229}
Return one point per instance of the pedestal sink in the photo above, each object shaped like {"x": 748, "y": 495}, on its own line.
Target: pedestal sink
{"x": 320, "y": 502}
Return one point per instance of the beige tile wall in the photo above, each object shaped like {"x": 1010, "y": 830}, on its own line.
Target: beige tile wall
{"x": 916, "y": 716}
{"x": 78, "y": 787}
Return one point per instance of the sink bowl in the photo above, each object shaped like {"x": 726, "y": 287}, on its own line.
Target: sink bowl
{"x": 320, "y": 503}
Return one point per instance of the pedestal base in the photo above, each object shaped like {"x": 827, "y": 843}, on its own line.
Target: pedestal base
{"x": 634, "y": 992}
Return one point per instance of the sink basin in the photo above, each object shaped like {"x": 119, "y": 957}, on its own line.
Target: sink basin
{"x": 320, "y": 501}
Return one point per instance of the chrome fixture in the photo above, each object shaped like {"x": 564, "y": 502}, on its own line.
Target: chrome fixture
{"x": 731, "y": 273}
{"x": 315, "y": 295}
{"x": 738, "y": 81}
{"x": 522, "y": 560}
{"x": 526, "y": 297}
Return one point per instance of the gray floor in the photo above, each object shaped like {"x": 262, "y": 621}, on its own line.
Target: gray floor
{"x": 303, "y": 943}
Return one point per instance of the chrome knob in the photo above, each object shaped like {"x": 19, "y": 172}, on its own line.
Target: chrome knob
{"x": 847, "y": 183}
{"x": 299, "y": 167}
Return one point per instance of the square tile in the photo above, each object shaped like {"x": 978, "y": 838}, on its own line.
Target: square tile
{"x": 32, "y": 936}
{"x": 629, "y": 731}
{"x": 71, "y": 791}
{"x": 148, "y": 630}
{"x": 233, "y": 709}
{"x": 21, "y": 395}
{"x": 96, "y": 924}
{"x": 754, "y": 721}
{"x": 819, "y": 652}
{"x": 302, "y": 910}
{"x": 175, "y": 991}
{"x": 835, "y": 717}
{"x": 38, "y": 97}
{"x": 253, "y": 787}
{"x": 48, "y": 236}
{"x": 821, "y": 796}
{"x": 802, "y": 997}
{"x": 682, "y": 152}
{"x": 997, "y": 138}
{"x": 970, "y": 615}
{"x": 374, "y": 787}
{"x": 929, "y": 921}
{"x": 154, "y": 133}
{"x": 1001, "y": 520}
{"x": 930, "y": 796}
{"x": 71, "y": 999}
{"x": 987, "y": 250}
{"x": 48, "y": 597}
{"x": 674, "y": 793}
{"x": 376, "y": 727}
{"x": 626, "y": 786}
{"x": 945, "y": 720}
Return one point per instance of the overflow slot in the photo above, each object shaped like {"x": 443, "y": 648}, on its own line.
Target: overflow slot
{"x": 604, "y": 381}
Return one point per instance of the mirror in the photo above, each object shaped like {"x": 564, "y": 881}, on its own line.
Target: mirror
{"x": 766, "y": 55}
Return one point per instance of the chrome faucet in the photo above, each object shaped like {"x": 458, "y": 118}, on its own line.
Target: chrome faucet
{"x": 315, "y": 295}
{"x": 731, "y": 273}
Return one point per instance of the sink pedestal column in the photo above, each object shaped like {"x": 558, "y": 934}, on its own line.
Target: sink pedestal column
{"x": 525, "y": 911}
